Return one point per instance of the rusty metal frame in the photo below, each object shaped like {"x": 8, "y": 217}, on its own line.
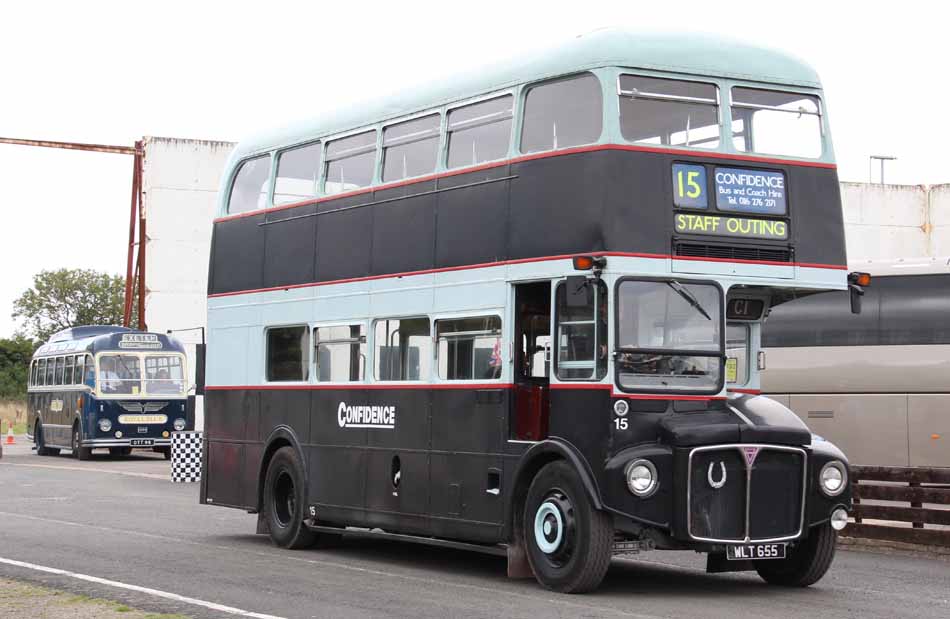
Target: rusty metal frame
{"x": 134, "y": 278}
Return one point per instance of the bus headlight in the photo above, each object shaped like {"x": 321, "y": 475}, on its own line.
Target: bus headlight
{"x": 105, "y": 425}
{"x": 641, "y": 478}
{"x": 179, "y": 424}
{"x": 833, "y": 478}
{"x": 839, "y": 519}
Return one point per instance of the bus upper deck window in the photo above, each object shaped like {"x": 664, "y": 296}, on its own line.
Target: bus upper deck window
{"x": 562, "y": 113}
{"x": 298, "y": 171}
{"x": 776, "y": 123}
{"x": 411, "y": 148}
{"x": 669, "y": 112}
{"x": 351, "y": 162}
{"x": 479, "y": 132}
{"x": 249, "y": 190}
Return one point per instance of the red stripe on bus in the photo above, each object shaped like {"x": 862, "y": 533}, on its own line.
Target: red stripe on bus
{"x": 630, "y": 396}
{"x": 748, "y": 391}
{"x": 502, "y": 263}
{"x": 651, "y": 396}
{"x": 522, "y": 158}
{"x": 357, "y": 387}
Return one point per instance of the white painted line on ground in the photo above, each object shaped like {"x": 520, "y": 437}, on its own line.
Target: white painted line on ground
{"x": 279, "y": 557}
{"x": 156, "y": 592}
{"x": 89, "y": 470}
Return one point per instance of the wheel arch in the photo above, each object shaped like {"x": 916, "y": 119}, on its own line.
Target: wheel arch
{"x": 281, "y": 436}
{"x": 534, "y": 460}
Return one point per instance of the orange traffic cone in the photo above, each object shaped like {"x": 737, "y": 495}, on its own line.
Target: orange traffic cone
{"x": 10, "y": 440}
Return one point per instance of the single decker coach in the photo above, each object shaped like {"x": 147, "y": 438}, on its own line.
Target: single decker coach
{"x": 108, "y": 387}
{"x": 519, "y": 311}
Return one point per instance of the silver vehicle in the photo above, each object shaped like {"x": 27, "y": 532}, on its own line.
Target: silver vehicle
{"x": 877, "y": 384}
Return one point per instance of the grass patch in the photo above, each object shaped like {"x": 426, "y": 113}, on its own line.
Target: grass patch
{"x": 18, "y": 428}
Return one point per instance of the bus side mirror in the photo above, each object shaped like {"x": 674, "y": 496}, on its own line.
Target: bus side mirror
{"x": 856, "y": 284}
{"x": 575, "y": 288}
{"x": 200, "y": 350}
{"x": 856, "y": 293}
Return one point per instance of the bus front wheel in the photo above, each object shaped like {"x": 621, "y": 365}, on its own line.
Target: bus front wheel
{"x": 41, "y": 448}
{"x": 79, "y": 452}
{"x": 806, "y": 563}
{"x": 284, "y": 501}
{"x": 568, "y": 541}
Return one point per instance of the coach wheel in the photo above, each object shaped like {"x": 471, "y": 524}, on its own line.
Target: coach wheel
{"x": 284, "y": 501}
{"x": 167, "y": 453}
{"x": 806, "y": 563}
{"x": 80, "y": 453}
{"x": 568, "y": 540}
{"x": 41, "y": 448}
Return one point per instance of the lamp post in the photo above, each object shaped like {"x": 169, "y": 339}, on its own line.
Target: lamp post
{"x": 882, "y": 159}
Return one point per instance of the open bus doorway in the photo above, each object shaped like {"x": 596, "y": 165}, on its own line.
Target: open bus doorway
{"x": 532, "y": 337}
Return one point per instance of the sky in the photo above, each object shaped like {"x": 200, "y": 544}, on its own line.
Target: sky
{"x": 112, "y": 72}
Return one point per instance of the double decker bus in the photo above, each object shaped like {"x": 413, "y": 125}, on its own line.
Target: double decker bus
{"x": 493, "y": 314}
{"x": 108, "y": 387}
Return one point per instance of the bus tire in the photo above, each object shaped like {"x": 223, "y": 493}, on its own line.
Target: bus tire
{"x": 41, "y": 448}
{"x": 284, "y": 501}
{"x": 568, "y": 541}
{"x": 167, "y": 453}
{"x": 806, "y": 563}
{"x": 80, "y": 453}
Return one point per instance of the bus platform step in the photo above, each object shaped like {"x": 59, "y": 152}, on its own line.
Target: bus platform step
{"x": 499, "y": 550}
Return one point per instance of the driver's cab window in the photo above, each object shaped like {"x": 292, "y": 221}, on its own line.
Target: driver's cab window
{"x": 581, "y": 333}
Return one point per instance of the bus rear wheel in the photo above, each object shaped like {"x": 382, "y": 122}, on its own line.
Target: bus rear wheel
{"x": 79, "y": 452}
{"x": 806, "y": 563}
{"x": 568, "y": 541}
{"x": 41, "y": 448}
{"x": 284, "y": 501}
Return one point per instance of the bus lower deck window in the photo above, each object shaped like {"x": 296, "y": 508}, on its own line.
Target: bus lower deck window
{"x": 341, "y": 353}
{"x": 288, "y": 354}
{"x": 469, "y": 348}
{"x": 403, "y": 349}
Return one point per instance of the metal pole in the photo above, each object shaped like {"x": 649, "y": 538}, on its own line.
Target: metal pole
{"x": 142, "y": 237}
{"x": 127, "y": 311}
{"x": 97, "y": 148}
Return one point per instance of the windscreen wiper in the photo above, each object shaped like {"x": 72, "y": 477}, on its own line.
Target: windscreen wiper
{"x": 686, "y": 294}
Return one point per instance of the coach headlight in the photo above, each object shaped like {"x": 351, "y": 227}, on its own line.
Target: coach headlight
{"x": 641, "y": 478}
{"x": 105, "y": 425}
{"x": 179, "y": 424}
{"x": 833, "y": 478}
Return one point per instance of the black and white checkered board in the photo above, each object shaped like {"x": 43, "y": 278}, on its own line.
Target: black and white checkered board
{"x": 186, "y": 457}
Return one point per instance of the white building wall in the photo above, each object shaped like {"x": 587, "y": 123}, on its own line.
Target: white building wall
{"x": 179, "y": 186}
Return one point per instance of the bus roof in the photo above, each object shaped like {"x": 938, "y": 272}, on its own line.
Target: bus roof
{"x": 96, "y": 338}
{"x": 688, "y": 53}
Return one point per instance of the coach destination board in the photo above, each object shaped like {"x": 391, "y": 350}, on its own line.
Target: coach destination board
{"x": 722, "y": 225}
{"x": 750, "y": 191}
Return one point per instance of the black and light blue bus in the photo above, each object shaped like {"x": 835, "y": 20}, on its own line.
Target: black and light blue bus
{"x": 493, "y": 313}
{"x": 106, "y": 387}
